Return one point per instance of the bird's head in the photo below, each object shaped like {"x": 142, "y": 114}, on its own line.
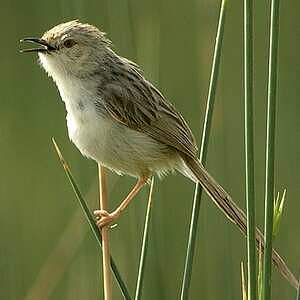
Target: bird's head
{"x": 70, "y": 49}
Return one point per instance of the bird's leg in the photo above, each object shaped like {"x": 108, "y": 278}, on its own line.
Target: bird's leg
{"x": 106, "y": 218}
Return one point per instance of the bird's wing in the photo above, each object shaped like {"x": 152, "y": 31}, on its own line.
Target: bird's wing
{"x": 136, "y": 103}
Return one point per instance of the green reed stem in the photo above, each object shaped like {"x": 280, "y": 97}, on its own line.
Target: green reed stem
{"x": 249, "y": 149}
{"x": 144, "y": 249}
{"x": 91, "y": 221}
{"x": 270, "y": 148}
{"x": 298, "y": 290}
{"x": 203, "y": 152}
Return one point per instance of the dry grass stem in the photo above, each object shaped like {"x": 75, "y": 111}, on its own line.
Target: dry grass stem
{"x": 105, "y": 238}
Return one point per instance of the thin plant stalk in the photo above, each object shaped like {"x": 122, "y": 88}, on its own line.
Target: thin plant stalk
{"x": 260, "y": 272}
{"x": 103, "y": 201}
{"x": 203, "y": 152}
{"x": 144, "y": 249}
{"x": 243, "y": 283}
{"x": 249, "y": 150}
{"x": 298, "y": 290}
{"x": 270, "y": 148}
{"x": 91, "y": 221}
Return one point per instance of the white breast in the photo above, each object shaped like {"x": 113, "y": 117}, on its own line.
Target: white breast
{"x": 89, "y": 131}
{"x": 102, "y": 138}
{"x": 93, "y": 134}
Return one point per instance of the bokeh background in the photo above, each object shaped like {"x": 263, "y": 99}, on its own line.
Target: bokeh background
{"x": 47, "y": 250}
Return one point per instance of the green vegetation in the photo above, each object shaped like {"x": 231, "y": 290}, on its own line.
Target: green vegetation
{"x": 270, "y": 149}
{"x": 249, "y": 148}
{"x": 48, "y": 252}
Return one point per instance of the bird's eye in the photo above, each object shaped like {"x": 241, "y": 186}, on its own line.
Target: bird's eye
{"x": 69, "y": 43}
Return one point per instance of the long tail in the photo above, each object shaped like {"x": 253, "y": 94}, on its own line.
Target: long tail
{"x": 222, "y": 199}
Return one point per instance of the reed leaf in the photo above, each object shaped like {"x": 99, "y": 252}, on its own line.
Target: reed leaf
{"x": 270, "y": 148}
{"x": 91, "y": 221}
{"x": 203, "y": 152}
{"x": 249, "y": 150}
{"x": 144, "y": 249}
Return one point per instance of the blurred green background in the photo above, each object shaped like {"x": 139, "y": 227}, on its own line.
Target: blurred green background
{"x": 47, "y": 250}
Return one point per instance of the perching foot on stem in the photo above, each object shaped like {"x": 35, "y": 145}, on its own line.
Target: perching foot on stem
{"x": 105, "y": 218}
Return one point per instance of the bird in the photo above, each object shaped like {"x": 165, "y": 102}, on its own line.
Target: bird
{"x": 118, "y": 118}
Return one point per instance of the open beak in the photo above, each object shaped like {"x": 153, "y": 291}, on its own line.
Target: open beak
{"x": 45, "y": 46}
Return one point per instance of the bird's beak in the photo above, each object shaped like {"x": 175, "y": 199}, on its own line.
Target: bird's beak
{"x": 46, "y": 47}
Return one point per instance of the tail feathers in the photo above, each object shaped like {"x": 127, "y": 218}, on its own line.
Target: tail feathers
{"x": 223, "y": 200}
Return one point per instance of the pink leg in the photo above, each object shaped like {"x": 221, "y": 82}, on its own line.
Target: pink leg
{"x": 106, "y": 218}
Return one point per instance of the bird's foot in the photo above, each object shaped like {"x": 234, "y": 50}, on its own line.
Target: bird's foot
{"x": 105, "y": 218}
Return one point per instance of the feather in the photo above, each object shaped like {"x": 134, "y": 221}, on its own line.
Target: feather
{"x": 140, "y": 106}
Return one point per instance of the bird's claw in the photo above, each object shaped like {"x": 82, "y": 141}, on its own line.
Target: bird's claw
{"x": 104, "y": 218}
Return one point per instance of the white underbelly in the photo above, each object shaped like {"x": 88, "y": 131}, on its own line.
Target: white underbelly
{"x": 118, "y": 147}
{"x": 90, "y": 134}
{"x": 104, "y": 139}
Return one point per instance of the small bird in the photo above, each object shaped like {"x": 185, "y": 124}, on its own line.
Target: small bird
{"x": 119, "y": 119}
{"x": 114, "y": 115}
